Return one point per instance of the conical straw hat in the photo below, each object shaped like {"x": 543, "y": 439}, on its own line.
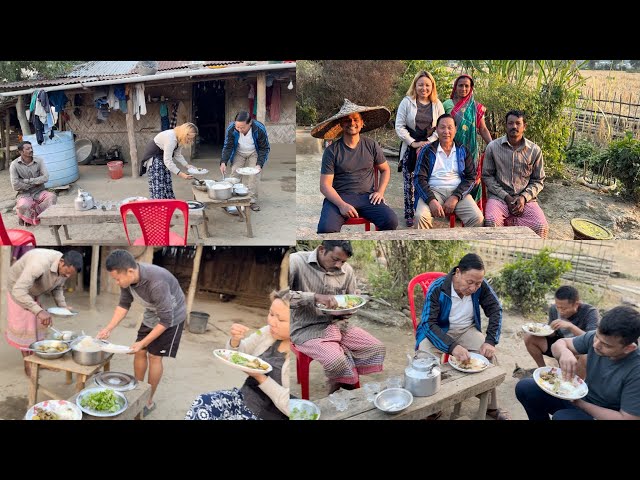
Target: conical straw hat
{"x": 373, "y": 117}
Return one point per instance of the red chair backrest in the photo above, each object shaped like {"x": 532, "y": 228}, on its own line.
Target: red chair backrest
{"x": 154, "y": 217}
{"x": 4, "y": 236}
{"x": 424, "y": 279}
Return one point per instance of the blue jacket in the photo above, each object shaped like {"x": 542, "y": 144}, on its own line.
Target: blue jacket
{"x": 424, "y": 167}
{"x": 434, "y": 323}
{"x": 260, "y": 139}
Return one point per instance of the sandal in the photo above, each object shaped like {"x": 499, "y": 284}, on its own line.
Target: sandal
{"x": 147, "y": 410}
{"x": 498, "y": 414}
{"x": 255, "y": 207}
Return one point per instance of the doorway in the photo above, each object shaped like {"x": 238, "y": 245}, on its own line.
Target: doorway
{"x": 209, "y": 115}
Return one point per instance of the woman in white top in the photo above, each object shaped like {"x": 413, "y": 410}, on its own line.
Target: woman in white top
{"x": 159, "y": 158}
{"x": 416, "y": 126}
{"x": 262, "y": 396}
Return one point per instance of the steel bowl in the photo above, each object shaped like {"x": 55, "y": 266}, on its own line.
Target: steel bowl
{"x": 393, "y": 400}
{"x": 68, "y": 336}
{"x": 48, "y": 343}
{"x": 303, "y": 410}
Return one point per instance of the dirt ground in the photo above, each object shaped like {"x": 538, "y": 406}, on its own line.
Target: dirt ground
{"x": 511, "y": 351}
{"x": 560, "y": 200}
{"x": 192, "y": 372}
{"x": 270, "y": 225}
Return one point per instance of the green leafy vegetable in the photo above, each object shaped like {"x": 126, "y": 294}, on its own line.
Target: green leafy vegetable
{"x": 103, "y": 401}
{"x": 302, "y": 414}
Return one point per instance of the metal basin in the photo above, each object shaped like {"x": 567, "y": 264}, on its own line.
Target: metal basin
{"x": 87, "y": 357}
{"x": 49, "y": 343}
{"x": 393, "y": 400}
{"x": 220, "y": 191}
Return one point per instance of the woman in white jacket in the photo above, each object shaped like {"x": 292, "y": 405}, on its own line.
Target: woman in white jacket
{"x": 416, "y": 126}
{"x": 261, "y": 397}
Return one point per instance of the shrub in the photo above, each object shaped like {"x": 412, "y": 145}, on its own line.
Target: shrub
{"x": 524, "y": 282}
{"x": 624, "y": 162}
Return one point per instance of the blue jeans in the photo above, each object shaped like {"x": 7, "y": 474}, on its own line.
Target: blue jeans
{"x": 539, "y": 405}
{"x": 381, "y": 215}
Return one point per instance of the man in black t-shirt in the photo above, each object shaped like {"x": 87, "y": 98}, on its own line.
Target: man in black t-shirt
{"x": 347, "y": 177}
{"x": 569, "y": 317}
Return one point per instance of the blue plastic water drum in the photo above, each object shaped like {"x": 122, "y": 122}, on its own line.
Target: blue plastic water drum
{"x": 59, "y": 155}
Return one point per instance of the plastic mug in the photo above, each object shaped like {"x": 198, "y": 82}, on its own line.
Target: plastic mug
{"x": 371, "y": 389}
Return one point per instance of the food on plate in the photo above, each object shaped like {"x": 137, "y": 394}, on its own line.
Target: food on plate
{"x": 552, "y": 380}
{"x": 239, "y": 359}
{"x": 102, "y": 401}
{"x": 87, "y": 344}
{"x": 43, "y": 414}
{"x": 52, "y": 347}
{"x": 302, "y": 414}
{"x": 538, "y": 328}
{"x": 470, "y": 364}
{"x": 351, "y": 301}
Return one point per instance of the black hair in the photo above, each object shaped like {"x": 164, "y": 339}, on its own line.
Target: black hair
{"x": 21, "y": 145}
{"x": 73, "y": 259}
{"x": 567, "y": 292}
{"x": 623, "y": 322}
{"x": 343, "y": 244}
{"x": 243, "y": 116}
{"x": 446, "y": 115}
{"x": 517, "y": 114}
{"x": 470, "y": 261}
{"x": 120, "y": 261}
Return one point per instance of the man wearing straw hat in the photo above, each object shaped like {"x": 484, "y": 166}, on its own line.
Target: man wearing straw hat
{"x": 347, "y": 173}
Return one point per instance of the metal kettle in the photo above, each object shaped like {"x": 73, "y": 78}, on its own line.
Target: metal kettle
{"x": 422, "y": 375}
{"x": 84, "y": 201}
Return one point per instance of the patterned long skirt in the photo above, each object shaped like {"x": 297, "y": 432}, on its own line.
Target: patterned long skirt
{"x": 220, "y": 405}
{"x": 409, "y": 189}
{"x": 160, "y": 184}
{"x": 346, "y": 354}
{"x": 28, "y": 208}
{"x": 23, "y": 328}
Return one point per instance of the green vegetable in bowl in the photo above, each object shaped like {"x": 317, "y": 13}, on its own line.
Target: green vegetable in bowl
{"x": 302, "y": 414}
{"x": 103, "y": 401}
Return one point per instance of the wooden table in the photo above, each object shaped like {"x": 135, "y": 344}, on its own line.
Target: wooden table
{"x": 65, "y": 364}
{"x": 58, "y": 215}
{"x": 136, "y": 399}
{"x": 455, "y": 387}
{"x": 241, "y": 203}
{"x": 458, "y": 233}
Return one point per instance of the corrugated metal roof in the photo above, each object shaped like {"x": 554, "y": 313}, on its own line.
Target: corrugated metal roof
{"x": 103, "y": 68}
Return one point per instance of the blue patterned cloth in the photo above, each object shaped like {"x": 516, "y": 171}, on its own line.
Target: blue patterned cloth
{"x": 220, "y": 405}
{"x": 160, "y": 183}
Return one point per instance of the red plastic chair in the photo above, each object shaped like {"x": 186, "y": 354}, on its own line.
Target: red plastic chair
{"x": 362, "y": 220}
{"x": 424, "y": 279}
{"x": 482, "y": 201}
{"x": 302, "y": 371}
{"x": 154, "y": 217}
{"x": 15, "y": 237}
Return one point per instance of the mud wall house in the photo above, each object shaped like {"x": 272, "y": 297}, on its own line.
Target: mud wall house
{"x": 208, "y": 94}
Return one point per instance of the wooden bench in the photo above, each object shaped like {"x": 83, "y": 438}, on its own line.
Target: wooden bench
{"x": 64, "y": 364}
{"x": 63, "y": 215}
{"x": 475, "y": 233}
{"x": 455, "y": 388}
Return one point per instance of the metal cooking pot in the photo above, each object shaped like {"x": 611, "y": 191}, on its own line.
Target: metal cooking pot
{"x": 422, "y": 375}
{"x": 87, "y": 358}
{"x": 220, "y": 191}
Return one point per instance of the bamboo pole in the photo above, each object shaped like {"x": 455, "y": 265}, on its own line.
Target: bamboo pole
{"x": 133, "y": 150}
{"x": 194, "y": 282}
{"x": 93, "y": 279}
{"x": 261, "y": 97}
{"x": 284, "y": 272}
{"x": 7, "y": 146}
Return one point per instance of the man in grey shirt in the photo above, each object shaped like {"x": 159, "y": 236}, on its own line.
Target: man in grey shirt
{"x": 613, "y": 373}
{"x": 28, "y": 175}
{"x": 163, "y": 321}
{"x": 569, "y": 317}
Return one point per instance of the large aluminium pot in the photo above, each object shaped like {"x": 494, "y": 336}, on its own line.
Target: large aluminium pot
{"x": 220, "y": 191}
{"x": 87, "y": 357}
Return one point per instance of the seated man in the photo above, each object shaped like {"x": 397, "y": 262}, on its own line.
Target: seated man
{"x": 345, "y": 351}
{"x": 444, "y": 176}
{"x": 28, "y": 175}
{"x": 613, "y": 370}
{"x": 513, "y": 172}
{"x": 347, "y": 174}
{"x": 569, "y": 317}
{"x": 451, "y": 321}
